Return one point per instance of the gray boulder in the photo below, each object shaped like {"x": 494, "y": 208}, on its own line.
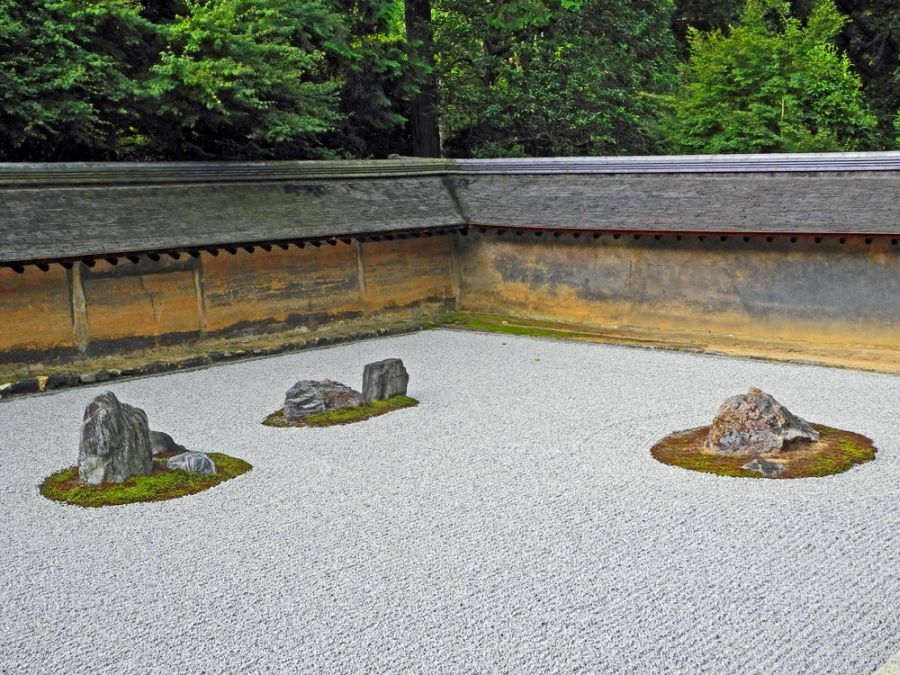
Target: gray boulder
{"x": 115, "y": 442}
{"x": 161, "y": 442}
{"x": 754, "y": 424}
{"x": 192, "y": 462}
{"x": 766, "y": 467}
{"x": 310, "y": 397}
{"x": 384, "y": 379}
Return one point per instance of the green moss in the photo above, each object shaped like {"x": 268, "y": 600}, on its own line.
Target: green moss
{"x": 344, "y": 415}
{"x": 836, "y": 452}
{"x": 497, "y": 324}
{"x": 162, "y": 484}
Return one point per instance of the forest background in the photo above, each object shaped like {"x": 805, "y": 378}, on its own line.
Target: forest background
{"x": 149, "y": 80}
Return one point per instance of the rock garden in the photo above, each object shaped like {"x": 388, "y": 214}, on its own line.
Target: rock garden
{"x": 754, "y": 436}
{"x": 513, "y": 521}
{"x": 122, "y": 461}
{"x": 325, "y": 403}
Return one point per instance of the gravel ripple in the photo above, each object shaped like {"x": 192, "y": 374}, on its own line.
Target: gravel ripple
{"x": 513, "y": 522}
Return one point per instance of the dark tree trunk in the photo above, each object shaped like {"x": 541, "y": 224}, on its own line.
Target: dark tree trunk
{"x": 423, "y": 108}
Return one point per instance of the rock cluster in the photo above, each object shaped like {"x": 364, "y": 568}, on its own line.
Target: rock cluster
{"x": 381, "y": 380}
{"x": 754, "y": 424}
{"x": 384, "y": 379}
{"x": 117, "y": 443}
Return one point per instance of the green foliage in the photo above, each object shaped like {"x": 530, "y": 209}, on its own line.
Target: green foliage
{"x": 66, "y": 76}
{"x": 771, "y": 84}
{"x": 241, "y": 77}
{"x": 343, "y": 415}
{"x": 550, "y": 77}
{"x": 163, "y": 484}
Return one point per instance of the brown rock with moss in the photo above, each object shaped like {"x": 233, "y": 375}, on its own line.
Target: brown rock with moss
{"x": 311, "y": 397}
{"x": 754, "y": 424}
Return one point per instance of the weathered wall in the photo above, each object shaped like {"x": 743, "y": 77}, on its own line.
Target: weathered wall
{"x": 109, "y": 307}
{"x": 819, "y": 293}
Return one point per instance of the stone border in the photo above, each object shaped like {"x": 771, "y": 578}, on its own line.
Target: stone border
{"x": 47, "y": 383}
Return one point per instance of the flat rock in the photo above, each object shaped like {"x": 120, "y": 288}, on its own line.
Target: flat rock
{"x": 754, "y": 424}
{"x": 161, "y": 442}
{"x": 384, "y": 379}
{"x": 115, "y": 442}
{"x": 766, "y": 467}
{"x": 192, "y": 462}
{"x": 310, "y": 397}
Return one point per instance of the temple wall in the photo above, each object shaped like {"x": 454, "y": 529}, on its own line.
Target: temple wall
{"x": 105, "y": 308}
{"x": 826, "y": 293}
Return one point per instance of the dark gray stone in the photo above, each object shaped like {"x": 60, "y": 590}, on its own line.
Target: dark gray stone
{"x": 192, "y": 462}
{"x": 161, "y": 442}
{"x": 310, "y": 397}
{"x": 28, "y": 386}
{"x": 384, "y": 379}
{"x": 115, "y": 442}
{"x": 59, "y": 381}
{"x": 754, "y": 424}
{"x": 766, "y": 467}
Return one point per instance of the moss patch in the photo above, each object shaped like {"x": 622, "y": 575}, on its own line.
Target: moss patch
{"x": 344, "y": 415}
{"x": 162, "y": 484}
{"x": 835, "y": 452}
{"x": 498, "y": 324}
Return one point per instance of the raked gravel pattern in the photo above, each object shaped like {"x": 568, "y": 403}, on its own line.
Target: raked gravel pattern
{"x": 513, "y": 522}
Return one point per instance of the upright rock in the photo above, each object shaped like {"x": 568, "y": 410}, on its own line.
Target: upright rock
{"x": 115, "y": 442}
{"x": 161, "y": 442}
{"x": 310, "y": 397}
{"x": 753, "y": 424}
{"x": 384, "y": 379}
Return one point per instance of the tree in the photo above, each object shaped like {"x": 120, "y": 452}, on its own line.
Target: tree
{"x": 243, "y": 78}
{"x": 423, "y": 106}
{"x": 771, "y": 84}
{"x": 67, "y": 77}
{"x": 551, "y": 77}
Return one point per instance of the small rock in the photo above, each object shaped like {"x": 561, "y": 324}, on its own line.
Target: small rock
{"x": 28, "y": 386}
{"x": 765, "y": 467}
{"x": 192, "y": 462}
{"x": 97, "y": 376}
{"x": 59, "y": 381}
{"x": 6, "y": 389}
{"x": 193, "y": 362}
{"x": 161, "y": 442}
{"x": 310, "y": 397}
{"x": 754, "y": 424}
{"x": 384, "y": 379}
{"x": 217, "y": 356}
{"x": 115, "y": 442}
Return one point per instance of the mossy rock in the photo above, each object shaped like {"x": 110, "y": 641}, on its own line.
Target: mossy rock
{"x": 162, "y": 484}
{"x": 836, "y": 451}
{"x": 344, "y": 415}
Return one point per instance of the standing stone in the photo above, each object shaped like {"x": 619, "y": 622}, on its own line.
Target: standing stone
{"x": 384, "y": 379}
{"x": 161, "y": 442}
{"x": 310, "y": 397}
{"x": 115, "y": 442}
{"x": 192, "y": 462}
{"x": 754, "y": 424}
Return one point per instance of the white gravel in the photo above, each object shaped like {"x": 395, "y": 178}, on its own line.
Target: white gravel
{"x": 513, "y": 522}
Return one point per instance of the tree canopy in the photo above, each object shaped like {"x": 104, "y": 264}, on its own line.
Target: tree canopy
{"x": 248, "y": 79}
{"x": 770, "y": 84}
